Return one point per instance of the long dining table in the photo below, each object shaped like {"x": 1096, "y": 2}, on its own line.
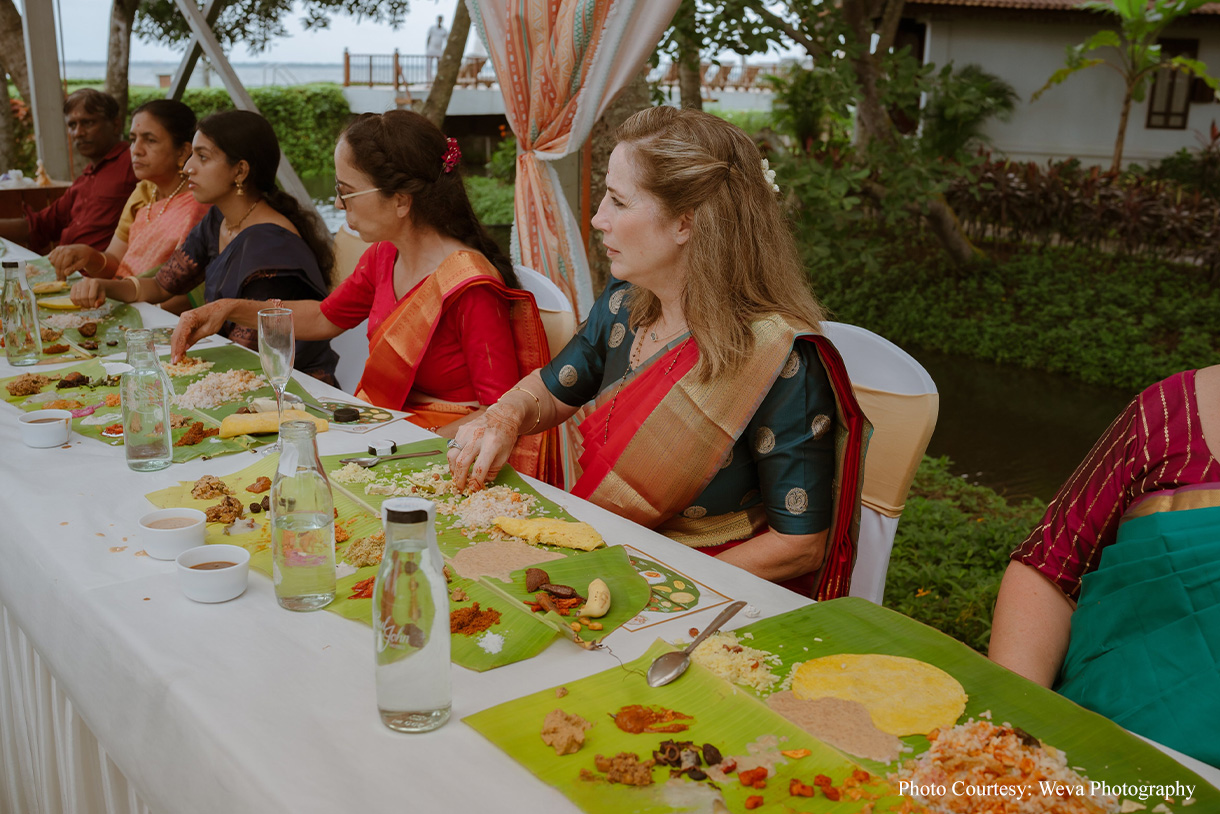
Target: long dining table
{"x": 119, "y": 694}
{"x": 240, "y": 706}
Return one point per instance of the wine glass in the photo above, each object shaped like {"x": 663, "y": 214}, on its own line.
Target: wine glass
{"x": 277, "y": 350}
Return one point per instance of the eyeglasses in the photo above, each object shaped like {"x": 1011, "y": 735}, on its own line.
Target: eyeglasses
{"x": 341, "y": 197}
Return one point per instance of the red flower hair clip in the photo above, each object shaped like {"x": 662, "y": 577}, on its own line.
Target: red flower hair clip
{"x": 453, "y": 155}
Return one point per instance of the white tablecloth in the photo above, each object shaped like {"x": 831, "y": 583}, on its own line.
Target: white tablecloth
{"x": 11, "y": 251}
{"x": 240, "y": 706}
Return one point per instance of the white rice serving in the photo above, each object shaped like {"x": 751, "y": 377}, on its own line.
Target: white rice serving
{"x": 480, "y": 510}
{"x": 353, "y": 473}
{"x": 725, "y": 655}
{"x": 215, "y": 389}
{"x": 64, "y": 322}
{"x": 187, "y": 366}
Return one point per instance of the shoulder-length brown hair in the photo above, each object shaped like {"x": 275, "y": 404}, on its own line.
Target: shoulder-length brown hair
{"x": 741, "y": 261}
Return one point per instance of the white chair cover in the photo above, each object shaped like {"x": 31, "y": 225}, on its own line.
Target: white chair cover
{"x": 900, "y": 399}
{"x": 558, "y": 319}
{"x": 353, "y": 349}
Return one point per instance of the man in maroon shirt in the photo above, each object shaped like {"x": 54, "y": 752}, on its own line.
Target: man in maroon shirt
{"x": 89, "y": 211}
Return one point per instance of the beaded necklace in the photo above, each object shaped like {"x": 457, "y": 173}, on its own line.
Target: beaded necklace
{"x": 165, "y": 205}
{"x": 633, "y": 363}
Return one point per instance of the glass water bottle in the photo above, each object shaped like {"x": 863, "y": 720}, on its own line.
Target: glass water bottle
{"x": 302, "y": 522}
{"x": 411, "y": 620}
{"x": 22, "y": 333}
{"x": 146, "y": 391}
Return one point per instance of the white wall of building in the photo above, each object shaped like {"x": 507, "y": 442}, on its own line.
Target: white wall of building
{"x": 1078, "y": 118}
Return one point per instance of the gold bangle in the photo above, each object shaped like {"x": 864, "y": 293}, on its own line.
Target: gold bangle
{"x": 537, "y": 408}
{"x": 135, "y": 281}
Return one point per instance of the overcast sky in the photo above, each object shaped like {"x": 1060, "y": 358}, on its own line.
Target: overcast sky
{"x": 86, "y": 23}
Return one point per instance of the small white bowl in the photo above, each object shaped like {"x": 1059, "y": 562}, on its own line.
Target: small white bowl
{"x": 218, "y": 584}
{"x": 46, "y": 428}
{"x": 187, "y": 529}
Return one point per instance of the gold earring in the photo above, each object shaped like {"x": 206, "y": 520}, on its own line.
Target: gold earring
{"x": 240, "y": 192}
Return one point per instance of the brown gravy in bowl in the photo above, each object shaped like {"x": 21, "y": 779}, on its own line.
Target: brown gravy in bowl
{"x": 171, "y": 523}
{"x": 212, "y": 566}
{"x": 45, "y": 420}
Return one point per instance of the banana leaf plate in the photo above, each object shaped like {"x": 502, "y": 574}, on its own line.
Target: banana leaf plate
{"x": 732, "y": 717}
{"x": 518, "y": 635}
{"x": 93, "y": 399}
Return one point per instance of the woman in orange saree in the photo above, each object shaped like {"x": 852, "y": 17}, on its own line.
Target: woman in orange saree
{"x": 449, "y": 329}
{"x": 722, "y": 418}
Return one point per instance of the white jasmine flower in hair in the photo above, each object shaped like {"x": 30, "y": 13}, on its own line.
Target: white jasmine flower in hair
{"x": 769, "y": 175}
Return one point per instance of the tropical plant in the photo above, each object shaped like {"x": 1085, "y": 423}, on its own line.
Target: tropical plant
{"x": 957, "y": 109}
{"x": 1132, "y": 51}
{"x": 813, "y": 107}
{"x": 503, "y": 163}
{"x": 1197, "y": 170}
{"x": 1064, "y": 204}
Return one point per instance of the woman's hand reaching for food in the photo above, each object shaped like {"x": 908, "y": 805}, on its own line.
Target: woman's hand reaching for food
{"x": 195, "y": 325}
{"x": 482, "y": 447}
{"x": 88, "y": 293}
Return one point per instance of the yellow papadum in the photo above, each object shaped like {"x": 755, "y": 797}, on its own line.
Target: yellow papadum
{"x": 552, "y": 531}
{"x": 903, "y": 696}
{"x": 59, "y": 304}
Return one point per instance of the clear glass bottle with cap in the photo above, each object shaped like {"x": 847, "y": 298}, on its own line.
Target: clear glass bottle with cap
{"x": 302, "y": 522}
{"x": 411, "y": 620}
{"x": 145, "y": 391}
{"x": 22, "y": 333}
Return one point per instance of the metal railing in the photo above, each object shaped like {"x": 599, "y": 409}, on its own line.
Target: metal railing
{"x": 404, "y": 70}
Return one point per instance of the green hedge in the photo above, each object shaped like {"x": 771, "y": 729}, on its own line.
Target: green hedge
{"x": 951, "y": 550}
{"x": 1100, "y": 318}
{"x": 491, "y": 199}
{"x": 307, "y": 118}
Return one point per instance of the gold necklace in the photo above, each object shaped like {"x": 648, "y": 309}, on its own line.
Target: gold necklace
{"x": 653, "y": 334}
{"x": 165, "y": 205}
{"x": 633, "y": 362}
{"x": 232, "y": 230}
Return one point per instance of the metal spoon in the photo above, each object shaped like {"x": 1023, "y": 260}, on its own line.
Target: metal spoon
{"x": 668, "y": 666}
{"x": 374, "y": 460}
{"x": 342, "y": 415}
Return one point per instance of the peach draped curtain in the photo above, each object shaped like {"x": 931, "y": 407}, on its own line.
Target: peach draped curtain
{"x": 559, "y": 64}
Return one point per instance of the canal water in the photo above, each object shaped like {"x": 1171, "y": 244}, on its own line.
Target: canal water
{"x": 1020, "y": 432}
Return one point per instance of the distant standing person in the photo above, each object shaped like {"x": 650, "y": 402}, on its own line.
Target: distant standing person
{"x": 438, "y": 35}
{"x": 90, "y": 210}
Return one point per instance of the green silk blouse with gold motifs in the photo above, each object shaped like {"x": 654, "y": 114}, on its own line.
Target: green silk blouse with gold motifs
{"x": 777, "y": 464}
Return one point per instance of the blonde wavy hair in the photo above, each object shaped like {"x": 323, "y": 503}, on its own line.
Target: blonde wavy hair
{"x": 741, "y": 261}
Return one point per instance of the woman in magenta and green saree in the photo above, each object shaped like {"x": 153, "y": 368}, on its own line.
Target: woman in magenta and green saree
{"x": 1114, "y": 599}
{"x": 721, "y": 417}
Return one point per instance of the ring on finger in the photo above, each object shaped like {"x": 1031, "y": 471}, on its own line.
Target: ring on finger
{"x": 452, "y": 444}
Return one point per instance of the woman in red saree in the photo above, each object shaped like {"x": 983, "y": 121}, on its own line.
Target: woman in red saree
{"x": 722, "y": 418}
{"x": 449, "y": 329}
